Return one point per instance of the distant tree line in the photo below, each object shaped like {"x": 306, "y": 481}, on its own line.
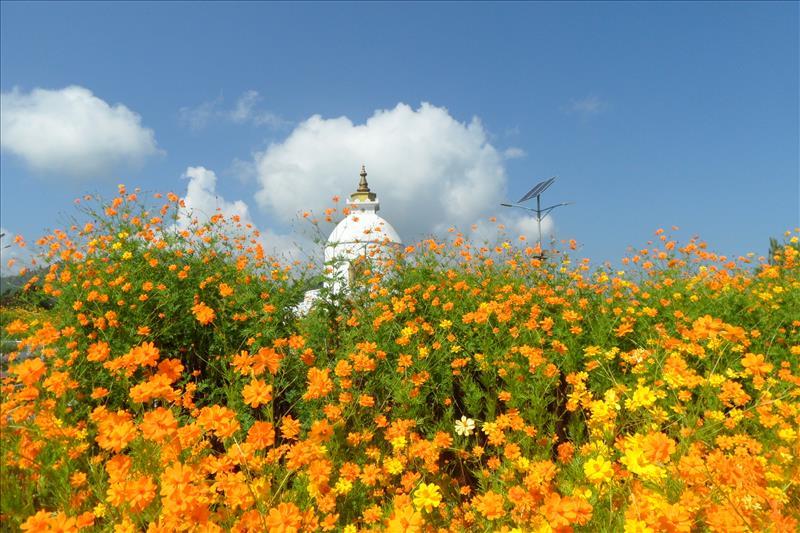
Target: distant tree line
{"x": 776, "y": 247}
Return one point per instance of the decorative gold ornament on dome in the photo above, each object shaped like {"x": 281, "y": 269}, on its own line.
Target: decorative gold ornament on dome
{"x": 363, "y": 193}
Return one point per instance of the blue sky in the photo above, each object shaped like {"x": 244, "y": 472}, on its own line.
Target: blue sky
{"x": 651, "y": 114}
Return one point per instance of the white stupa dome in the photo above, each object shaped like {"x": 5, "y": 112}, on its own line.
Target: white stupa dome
{"x": 362, "y": 233}
{"x": 362, "y": 226}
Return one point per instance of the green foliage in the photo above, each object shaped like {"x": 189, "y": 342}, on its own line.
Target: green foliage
{"x": 555, "y": 364}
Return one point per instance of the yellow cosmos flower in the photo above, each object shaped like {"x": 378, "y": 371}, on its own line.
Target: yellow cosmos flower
{"x": 407, "y": 331}
{"x": 637, "y": 526}
{"x": 343, "y": 486}
{"x": 642, "y": 397}
{"x": 598, "y": 470}
{"x": 787, "y": 434}
{"x": 427, "y": 497}
{"x": 393, "y": 466}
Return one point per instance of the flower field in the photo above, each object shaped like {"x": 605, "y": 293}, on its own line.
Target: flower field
{"x": 170, "y": 386}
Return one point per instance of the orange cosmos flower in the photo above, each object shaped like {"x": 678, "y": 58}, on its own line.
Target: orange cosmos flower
{"x": 624, "y": 328}
{"x": 203, "y": 313}
{"x": 269, "y": 359}
{"x": 146, "y": 354}
{"x": 290, "y": 427}
{"x": 565, "y": 452}
{"x": 512, "y": 451}
{"x": 137, "y": 493}
{"x": 29, "y": 371}
{"x": 99, "y": 392}
{"x": 567, "y": 510}
{"x": 41, "y": 521}
{"x": 16, "y": 326}
{"x": 261, "y": 435}
{"x": 285, "y": 518}
{"x": 171, "y": 368}
{"x": 319, "y": 383}
{"x": 115, "y": 431}
{"x": 490, "y": 505}
{"x": 296, "y": 342}
{"x": 225, "y": 290}
{"x": 78, "y": 479}
{"x": 221, "y": 420}
{"x": 365, "y": 400}
{"x": 58, "y": 382}
{"x": 157, "y": 386}
{"x": 256, "y": 393}
{"x": 321, "y": 430}
{"x": 308, "y": 356}
{"x": 158, "y": 425}
{"x": 657, "y": 447}
{"x": 755, "y": 364}
{"x": 405, "y": 520}
{"x": 85, "y": 520}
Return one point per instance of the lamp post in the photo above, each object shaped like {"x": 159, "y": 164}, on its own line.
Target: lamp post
{"x": 540, "y": 213}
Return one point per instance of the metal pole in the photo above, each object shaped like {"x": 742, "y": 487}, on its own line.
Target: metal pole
{"x": 539, "y": 220}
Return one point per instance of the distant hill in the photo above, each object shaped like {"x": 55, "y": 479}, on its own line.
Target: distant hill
{"x": 11, "y": 289}
{"x": 12, "y": 284}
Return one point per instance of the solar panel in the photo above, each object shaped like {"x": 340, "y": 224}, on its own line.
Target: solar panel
{"x": 538, "y": 189}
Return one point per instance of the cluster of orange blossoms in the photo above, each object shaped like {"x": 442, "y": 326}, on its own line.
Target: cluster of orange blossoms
{"x": 173, "y": 387}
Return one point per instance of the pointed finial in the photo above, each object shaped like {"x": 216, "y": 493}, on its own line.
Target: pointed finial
{"x": 363, "y": 186}
{"x": 363, "y": 194}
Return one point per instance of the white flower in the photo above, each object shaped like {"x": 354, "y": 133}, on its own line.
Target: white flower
{"x": 465, "y": 426}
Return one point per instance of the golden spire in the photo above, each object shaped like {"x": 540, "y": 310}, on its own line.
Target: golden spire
{"x": 363, "y": 186}
{"x": 363, "y": 193}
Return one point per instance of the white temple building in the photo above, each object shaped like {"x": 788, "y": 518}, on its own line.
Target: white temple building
{"x": 362, "y": 234}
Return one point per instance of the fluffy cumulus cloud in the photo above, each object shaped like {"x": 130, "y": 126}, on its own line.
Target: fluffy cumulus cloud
{"x": 72, "y": 132}
{"x": 528, "y": 227}
{"x": 202, "y": 201}
{"x": 430, "y": 170}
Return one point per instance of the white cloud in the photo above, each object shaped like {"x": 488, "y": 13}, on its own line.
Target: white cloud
{"x": 197, "y": 118}
{"x": 244, "y": 111}
{"x": 514, "y": 153}
{"x": 429, "y": 170}
{"x": 244, "y": 170}
{"x": 528, "y": 227}
{"x": 513, "y": 226}
{"x": 202, "y": 201}
{"x": 591, "y": 105}
{"x": 71, "y": 131}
